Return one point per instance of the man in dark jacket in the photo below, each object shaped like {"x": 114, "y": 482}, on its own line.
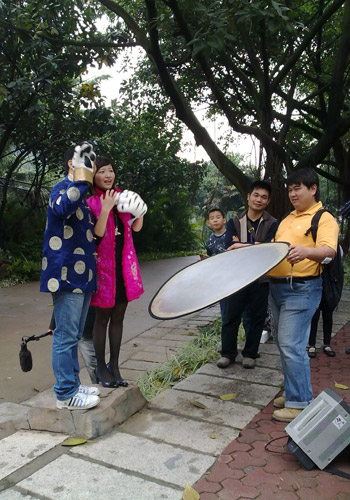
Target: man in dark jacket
{"x": 254, "y": 225}
{"x": 69, "y": 273}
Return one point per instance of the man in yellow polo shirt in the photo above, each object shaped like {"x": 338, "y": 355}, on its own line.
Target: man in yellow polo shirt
{"x": 296, "y": 288}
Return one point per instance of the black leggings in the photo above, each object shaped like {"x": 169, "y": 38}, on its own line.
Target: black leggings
{"x": 115, "y": 317}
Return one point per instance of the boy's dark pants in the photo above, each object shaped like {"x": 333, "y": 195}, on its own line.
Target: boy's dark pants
{"x": 251, "y": 303}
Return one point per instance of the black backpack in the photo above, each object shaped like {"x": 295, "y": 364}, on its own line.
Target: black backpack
{"x": 333, "y": 273}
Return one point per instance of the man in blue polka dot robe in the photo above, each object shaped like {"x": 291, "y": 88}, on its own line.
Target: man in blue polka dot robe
{"x": 69, "y": 273}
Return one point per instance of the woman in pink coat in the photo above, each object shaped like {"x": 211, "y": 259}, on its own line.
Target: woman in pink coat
{"x": 119, "y": 281}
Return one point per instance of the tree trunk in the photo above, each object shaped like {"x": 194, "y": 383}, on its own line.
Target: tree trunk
{"x": 280, "y": 205}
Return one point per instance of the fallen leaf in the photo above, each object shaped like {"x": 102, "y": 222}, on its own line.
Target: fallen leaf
{"x": 36, "y": 389}
{"x": 340, "y": 386}
{"x": 190, "y": 493}
{"x": 212, "y": 436}
{"x": 176, "y": 370}
{"x": 73, "y": 441}
{"x": 228, "y": 397}
{"x": 197, "y": 403}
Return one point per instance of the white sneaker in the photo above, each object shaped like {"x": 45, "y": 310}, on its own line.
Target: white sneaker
{"x": 89, "y": 389}
{"x": 78, "y": 402}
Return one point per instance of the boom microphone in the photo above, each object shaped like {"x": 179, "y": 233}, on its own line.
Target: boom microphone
{"x": 25, "y": 356}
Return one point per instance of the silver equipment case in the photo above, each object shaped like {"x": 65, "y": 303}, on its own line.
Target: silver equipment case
{"x": 322, "y": 430}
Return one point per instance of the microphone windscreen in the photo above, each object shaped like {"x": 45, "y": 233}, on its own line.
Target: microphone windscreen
{"x": 25, "y": 358}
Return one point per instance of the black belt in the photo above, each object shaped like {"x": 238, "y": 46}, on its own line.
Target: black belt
{"x": 288, "y": 279}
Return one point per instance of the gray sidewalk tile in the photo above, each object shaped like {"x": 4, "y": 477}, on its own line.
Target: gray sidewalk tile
{"x": 229, "y": 413}
{"x": 156, "y": 460}
{"x": 22, "y": 447}
{"x": 258, "y": 375}
{"x": 246, "y": 392}
{"x": 69, "y": 478}
{"x": 12, "y": 494}
{"x": 205, "y": 437}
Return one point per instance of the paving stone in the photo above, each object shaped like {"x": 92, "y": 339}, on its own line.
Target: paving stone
{"x": 139, "y": 365}
{"x": 236, "y": 446}
{"x": 247, "y": 392}
{"x": 132, "y": 375}
{"x": 242, "y": 460}
{"x": 153, "y": 333}
{"x": 175, "y": 344}
{"x": 157, "y": 460}
{"x": 70, "y": 478}
{"x": 12, "y": 417}
{"x": 259, "y": 476}
{"x": 115, "y": 407}
{"x": 203, "y": 485}
{"x": 218, "y": 473}
{"x": 154, "y": 357}
{"x": 217, "y": 411}
{"x": 209, "y": 496}
{"x": 184, "y": 339}
{"x": 268, "y": 360}
{"x": 294, "y": 478}
{"x": 12, "y": 494}
{"x": 22, "y": 447}
{"x": 267, "y": 491}
{"x": 146, "y": 346}
{"x": 269, "y": 348}
{"x": 235, "y": 371}
{"x": 233, "y": 489}
{"x": 180, "y": 431}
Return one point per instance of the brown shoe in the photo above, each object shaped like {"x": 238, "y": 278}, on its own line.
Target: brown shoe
{"x": 224, "y": 362}
{"x": 248, "y": 363}
{"x": 279, "y": 402}
{"x": 286, "y": 414}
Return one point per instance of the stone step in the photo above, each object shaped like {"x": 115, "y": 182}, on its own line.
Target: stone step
{"x": 40, "y": 413}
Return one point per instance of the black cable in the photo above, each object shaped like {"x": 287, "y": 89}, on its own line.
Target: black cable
{"x": 277, "y": 452}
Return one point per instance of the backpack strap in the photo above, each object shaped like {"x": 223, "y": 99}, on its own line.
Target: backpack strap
{"x": 314, "y": 223}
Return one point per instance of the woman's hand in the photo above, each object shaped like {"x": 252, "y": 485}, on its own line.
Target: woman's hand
{"x": 108, "y": 201}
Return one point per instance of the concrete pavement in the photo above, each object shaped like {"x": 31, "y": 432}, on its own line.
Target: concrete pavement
{"x": 185, "y": 434}
{"x": 24, "y": 311}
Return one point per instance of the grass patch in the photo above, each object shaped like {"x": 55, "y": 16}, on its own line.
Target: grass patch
{"x": 187, "y": 360}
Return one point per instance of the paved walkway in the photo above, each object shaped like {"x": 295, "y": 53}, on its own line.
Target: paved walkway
{"x": 186, "y": 434}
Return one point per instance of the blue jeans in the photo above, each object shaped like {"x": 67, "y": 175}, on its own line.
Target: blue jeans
{"x": 292, "y": 311}
{"x": 70, "y": 310}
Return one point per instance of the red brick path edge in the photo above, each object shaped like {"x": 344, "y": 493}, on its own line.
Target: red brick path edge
{"x": 246, "y": 470}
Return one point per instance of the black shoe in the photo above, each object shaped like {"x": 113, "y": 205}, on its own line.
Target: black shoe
{"x": 104, "y": 383}
{"x": 119, "y": 381}
{"x": 329, "y": 351}
{"x": 312, "y": 351}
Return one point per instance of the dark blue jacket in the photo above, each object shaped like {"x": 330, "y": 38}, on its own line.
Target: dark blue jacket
{"x": 69, "y": 254}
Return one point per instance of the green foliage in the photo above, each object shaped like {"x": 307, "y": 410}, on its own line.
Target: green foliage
{"x": 187, "y": 360}
{"x": 22, "y": 271}
{"x": 274, "y": 71}
{"x": 21, "y": 263}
